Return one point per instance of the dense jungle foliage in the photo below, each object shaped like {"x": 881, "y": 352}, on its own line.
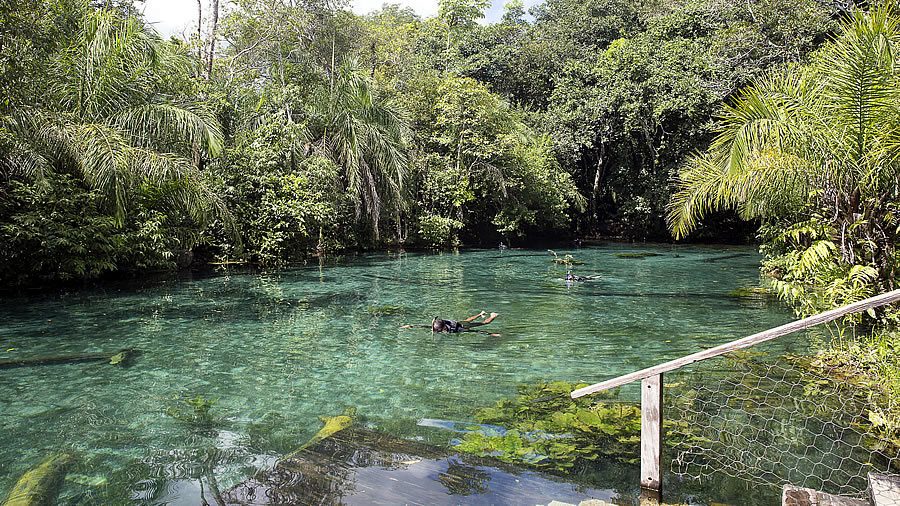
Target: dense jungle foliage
{"x": 280, "y": 130}
{"x": 283, "y": 129}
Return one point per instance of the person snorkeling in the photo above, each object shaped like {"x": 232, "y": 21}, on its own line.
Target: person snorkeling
{"x": 572, "y": 277}
{"x": 440, "y": 325}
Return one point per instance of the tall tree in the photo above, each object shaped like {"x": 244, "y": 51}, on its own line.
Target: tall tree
{"x": 199, "y": 30}
{"x": 458, "y": 17}
{"x": 30, "y": 32}
{"x": 820, "y": 142}
{"x": 366, "y": 137}
{"x": 106, "y": 113}
{"x": 211, "y": 45}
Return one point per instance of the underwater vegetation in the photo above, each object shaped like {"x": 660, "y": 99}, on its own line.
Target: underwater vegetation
{"x": 41, "y": 484}
{"x": 550, "y": 430}
{"x": 857, "y": 397}
{"x": 200, "y": 415}
{"x": 752, "y": 291}
{"x": 274, "y": 433}
{"x": 565, "y": 260}
{"x": 332, "y": 424}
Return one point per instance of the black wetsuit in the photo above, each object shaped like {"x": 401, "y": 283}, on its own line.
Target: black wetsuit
{"x": 441, "y": 325}
{"x": 572, "y": 277}
{"x": 453, "y": 326}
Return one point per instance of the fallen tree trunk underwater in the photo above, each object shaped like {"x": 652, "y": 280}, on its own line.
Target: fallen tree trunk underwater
{"x": 119, "y": 357}
{"x": 41, "y": 485}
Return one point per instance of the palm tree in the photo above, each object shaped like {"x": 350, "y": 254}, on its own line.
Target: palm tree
{"x": 364, "y": 136}
{"x": 819, "y": 140}
{"x": 107, "y": 115}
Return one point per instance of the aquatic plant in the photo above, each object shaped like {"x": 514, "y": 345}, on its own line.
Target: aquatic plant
{"x": 752, "y": 292}
{"x": 199, "y": 415}
{"x": 550, "y": 430}
{"x": 333, "y": 424}
{"x": 41, "y": 484}
{"x": 863, "y": 378}
{"x": 566, "y": 260}
{"x": 274, "y": 433}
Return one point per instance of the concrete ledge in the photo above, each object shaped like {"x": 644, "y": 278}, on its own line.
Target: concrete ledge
{"x": 798, "y": 496}
{"x": 884, "y": 489}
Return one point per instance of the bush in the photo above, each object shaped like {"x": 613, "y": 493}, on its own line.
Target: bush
{"x": 282, "y": 203}
{"x": 59, "y": 232}
{"x": 438, "y": 231}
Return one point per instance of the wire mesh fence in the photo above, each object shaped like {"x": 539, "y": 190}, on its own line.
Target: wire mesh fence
{"x": 777, "y": 420}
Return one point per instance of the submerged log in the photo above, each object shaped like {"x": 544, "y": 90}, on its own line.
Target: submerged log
{"x": 333, "y": 424}
{"x": 41, "y": 485}
{"x": 119, "y": 357}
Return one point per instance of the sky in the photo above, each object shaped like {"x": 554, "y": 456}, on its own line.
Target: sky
{"x": 179, "y": 17}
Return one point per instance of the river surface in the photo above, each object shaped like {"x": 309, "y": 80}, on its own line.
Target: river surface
{"x": 278, "y": 350}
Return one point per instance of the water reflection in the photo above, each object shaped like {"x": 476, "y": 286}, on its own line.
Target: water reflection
{"x": 357, "y": 466}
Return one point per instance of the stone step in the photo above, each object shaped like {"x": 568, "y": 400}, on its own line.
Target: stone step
{"x": 884, "y": 489}
{"x": 799, "y": 496}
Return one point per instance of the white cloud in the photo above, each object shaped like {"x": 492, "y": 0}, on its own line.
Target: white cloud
{"x": 172, "y": 17}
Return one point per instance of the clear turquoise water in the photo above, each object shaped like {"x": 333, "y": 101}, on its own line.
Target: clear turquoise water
{"x": 278, "y": 350}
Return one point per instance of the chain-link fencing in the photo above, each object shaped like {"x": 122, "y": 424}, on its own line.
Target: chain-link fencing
{"x": 779, "y": 419}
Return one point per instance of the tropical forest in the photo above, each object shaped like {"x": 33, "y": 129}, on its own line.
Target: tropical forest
{"x": 307, "y": 252}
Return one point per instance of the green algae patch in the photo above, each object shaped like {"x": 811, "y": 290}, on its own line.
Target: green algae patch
{"x": 566, "y": 259}
{"x": 853, "y": 381}
{"x": 199, "y": 415}
{"x": 119, "y": 358}
{"x": 550, "y": 430}
{"x": 333, "y": 424}
{"x": 752, "y": 291}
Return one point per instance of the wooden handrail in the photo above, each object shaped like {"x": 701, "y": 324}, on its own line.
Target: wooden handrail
{"x": 739, "y": 344}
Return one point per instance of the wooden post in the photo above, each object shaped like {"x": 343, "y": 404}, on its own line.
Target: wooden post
{"x": 651, "y": 437}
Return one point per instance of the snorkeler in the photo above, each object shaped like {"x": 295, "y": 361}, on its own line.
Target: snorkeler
{"x": 572, "y": 277}
{"x": 439, "y": 325}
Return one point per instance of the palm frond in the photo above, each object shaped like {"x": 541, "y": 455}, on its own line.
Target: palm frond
{"x": 766, "y": 116}
{"x": 179, "y": 185}
{"x": 161, "y": 124}
{"x": 816, "y": 257}
{"x": 698, "y": 190}
{"x": 765, "y": 185}
{"x": 101, "y": 155}
{"x": 24, "y": 134}
{"x": 860, "y": 79}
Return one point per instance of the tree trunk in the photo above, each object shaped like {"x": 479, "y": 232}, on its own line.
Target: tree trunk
{"x": 595, "y": 189}
{"x": 199, "y": 30}
{"x": 212, "y": 37}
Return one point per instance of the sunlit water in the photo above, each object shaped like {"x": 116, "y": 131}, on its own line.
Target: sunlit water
{"x": 278, "y": 350}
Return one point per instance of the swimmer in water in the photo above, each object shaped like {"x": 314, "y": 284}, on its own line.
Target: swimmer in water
{"x": 440, "y": 325}
{"x": 572, "y": 277}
